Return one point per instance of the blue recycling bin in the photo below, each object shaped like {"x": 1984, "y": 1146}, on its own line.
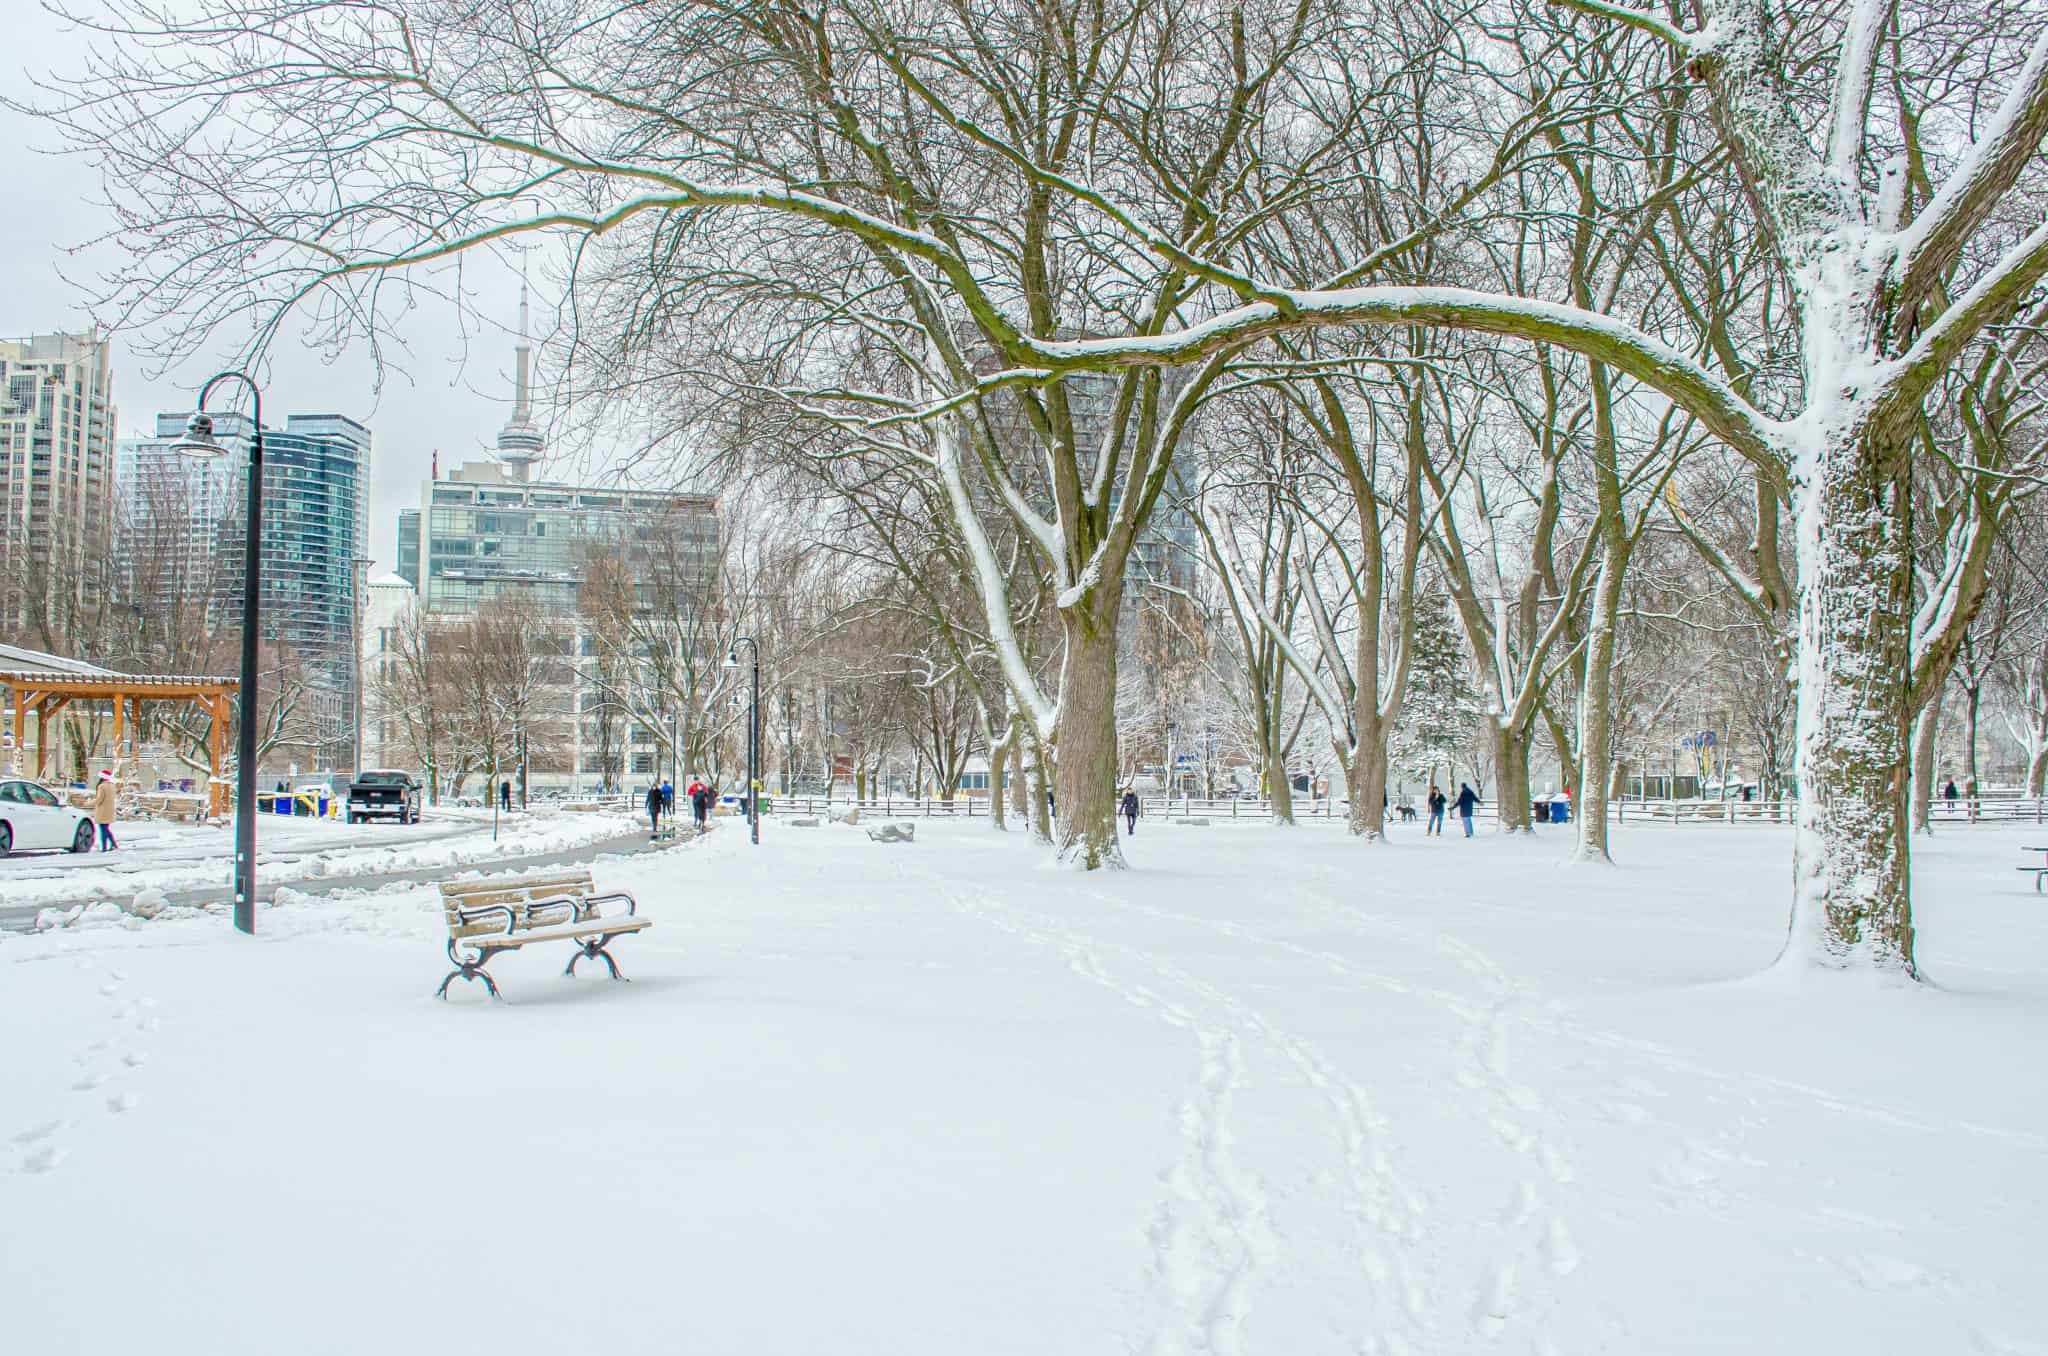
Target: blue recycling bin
{"x": 1560, "y": 812}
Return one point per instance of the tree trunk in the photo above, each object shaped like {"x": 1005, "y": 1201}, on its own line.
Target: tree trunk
{"x": 1279, "y": 788}
{"x": 1973, "y": 701}
{"x": 2037, "y": 772}
{"x": 1365, "y": 782}
{"x": 1085, "y": 777}
{"x": 1925, "y": 727}
{"x": 1040, "y": 813}
{"x": 1510, "y": 775}
{"x": 998, "y": 760}
{"x": 1596, "y": 710}
{"x": 1852, "y": 900}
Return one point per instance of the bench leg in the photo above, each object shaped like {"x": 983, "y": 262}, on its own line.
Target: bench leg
{"x": 467, "y": 972}
{"x": 593, "y": 951}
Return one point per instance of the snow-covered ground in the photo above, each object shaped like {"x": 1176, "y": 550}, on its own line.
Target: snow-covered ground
{"x": 1268, "y": 1092}
{"x": 171, "y": 857}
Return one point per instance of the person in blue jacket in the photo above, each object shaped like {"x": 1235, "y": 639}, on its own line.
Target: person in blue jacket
{"x": 1468, "y": 800}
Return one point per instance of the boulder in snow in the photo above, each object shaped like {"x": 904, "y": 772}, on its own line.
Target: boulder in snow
{"x": 894, "y": 833}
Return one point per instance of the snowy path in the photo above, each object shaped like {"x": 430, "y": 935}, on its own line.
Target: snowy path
{"x": 1267, "y": 1093}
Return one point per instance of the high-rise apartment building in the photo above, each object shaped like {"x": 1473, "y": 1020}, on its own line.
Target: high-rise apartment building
{"x": 56, "y": 473}
{"x": 183, "y": 531}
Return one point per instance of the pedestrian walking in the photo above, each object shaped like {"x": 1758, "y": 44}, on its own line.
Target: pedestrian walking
{"x": 653, "y": 812}
{"x": 1948, "y": 793}
{"x": 1130, "y": 810}
{"x": 1437, "y": 802}
{"x": 103, "y": 810}
{"x": 505, "y": 796}
{"x": 668, "y": 798}
{"x": 700, "y": 802}
{"x": 1468, "y": 800}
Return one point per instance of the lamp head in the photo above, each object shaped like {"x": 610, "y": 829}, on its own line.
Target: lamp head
{"x": 732, "y": 657}
{"x": 199, "y": 440}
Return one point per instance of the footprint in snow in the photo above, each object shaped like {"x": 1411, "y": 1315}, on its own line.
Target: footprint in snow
{"x": 1560, "y": 1250}
{"x": 1496, "y": 1299}
{"x": 122, "y": 1101}
{"x": 39, "y": 1132}
{"x": 135, "y": 1059}
{"x": 43, "y": 1159}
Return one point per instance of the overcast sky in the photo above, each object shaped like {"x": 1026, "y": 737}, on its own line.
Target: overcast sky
{"x": 453, "y": 396}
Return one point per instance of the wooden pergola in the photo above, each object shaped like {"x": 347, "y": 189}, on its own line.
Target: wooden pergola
{"x": 43, "y": 692}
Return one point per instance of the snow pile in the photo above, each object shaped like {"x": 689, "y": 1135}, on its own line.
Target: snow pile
{"x": 169, "y": 858}
{"x": 1252, "y": 1096}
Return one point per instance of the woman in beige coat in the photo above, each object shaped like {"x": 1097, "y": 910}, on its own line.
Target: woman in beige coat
{"x": 103, "y": 810}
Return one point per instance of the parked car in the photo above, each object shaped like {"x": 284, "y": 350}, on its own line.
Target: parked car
{"x": 32, "y": 816}
{"x": 377, "y": 792}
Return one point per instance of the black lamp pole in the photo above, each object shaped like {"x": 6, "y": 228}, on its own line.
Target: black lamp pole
{"x": 732, "y": 661}
{"x": 199, "y": 441}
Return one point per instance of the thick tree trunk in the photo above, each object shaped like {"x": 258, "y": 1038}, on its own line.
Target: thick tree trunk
{"x": 1596, "y": 711}
{"x": 1365, "y": 782}
{"x": 1279, "y": 788}
{"x": 1510, "y": 788}
{"x": 1852, "y": 901}
{"x": 1040, "y": 812}
{"x": 998, "y": 762}
{"x": 1086, "y": 775}
{"x": 1925, "y": 728}
{"x": 2037, "y": 772}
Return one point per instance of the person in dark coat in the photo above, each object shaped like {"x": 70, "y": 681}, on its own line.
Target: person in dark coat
{"x": 1948, "y": 793}
{"x": 1468, "y": 800}
{"x": 700, "y": 802}
{"x": 1130, "y": 812}
{"x": 1437, "y": 804}
{"x": 505, "y": 796}
{"x": 653, "y": 811}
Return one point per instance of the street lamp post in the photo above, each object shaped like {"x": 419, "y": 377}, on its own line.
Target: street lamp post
{"x": 732, "y": 661}
{"x": 199, "y": 441}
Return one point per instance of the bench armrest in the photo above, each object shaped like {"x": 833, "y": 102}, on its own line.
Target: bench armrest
{"x": 590, "y": 903}
{"x": 471, "y": 915}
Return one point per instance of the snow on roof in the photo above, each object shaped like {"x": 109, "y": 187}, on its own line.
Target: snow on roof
{"x": 15, "y": 657}
{"x": 17, "y": 661}
{"x": 390, "y": 581}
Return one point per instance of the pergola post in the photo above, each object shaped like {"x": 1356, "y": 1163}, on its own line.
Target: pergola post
{"x": 216, "y": 789}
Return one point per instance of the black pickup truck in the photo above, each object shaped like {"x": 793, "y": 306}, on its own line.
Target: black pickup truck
{"x": 378, "y": 792}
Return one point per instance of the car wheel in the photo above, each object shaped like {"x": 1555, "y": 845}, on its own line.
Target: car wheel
{"x": 82, "y": 840}
{"x": 6, "y": 839}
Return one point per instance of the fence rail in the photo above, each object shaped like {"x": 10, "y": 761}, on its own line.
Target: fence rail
{"x": 1982, "y": 809}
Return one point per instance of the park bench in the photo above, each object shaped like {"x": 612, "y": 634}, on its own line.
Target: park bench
{"x": 2041, "y": 871}
{"x": 489, "y": 916}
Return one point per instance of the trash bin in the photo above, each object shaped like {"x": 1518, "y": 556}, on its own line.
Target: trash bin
{"x": 1560, "y": 813}
{"x": 1542, "y": 812}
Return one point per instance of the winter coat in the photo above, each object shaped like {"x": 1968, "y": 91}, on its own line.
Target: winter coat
{"x": 1466, "y": 800}
{"x": 1130, "y": 805}
{"x": 654, "y": 799}
{"x": 1437, "y": 802}
{"x": 103, "y": 804}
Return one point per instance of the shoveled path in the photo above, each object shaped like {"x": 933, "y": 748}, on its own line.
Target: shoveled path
{"x": 22, "y": 918}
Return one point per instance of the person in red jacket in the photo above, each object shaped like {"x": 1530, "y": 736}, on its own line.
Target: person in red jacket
{"x": 700, "y": 801}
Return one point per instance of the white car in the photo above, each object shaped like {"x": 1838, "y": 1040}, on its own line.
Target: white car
{"x": 31, "y": 816}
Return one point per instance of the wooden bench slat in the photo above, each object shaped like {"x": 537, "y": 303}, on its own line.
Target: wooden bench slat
{"x": 567, "y": 933}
